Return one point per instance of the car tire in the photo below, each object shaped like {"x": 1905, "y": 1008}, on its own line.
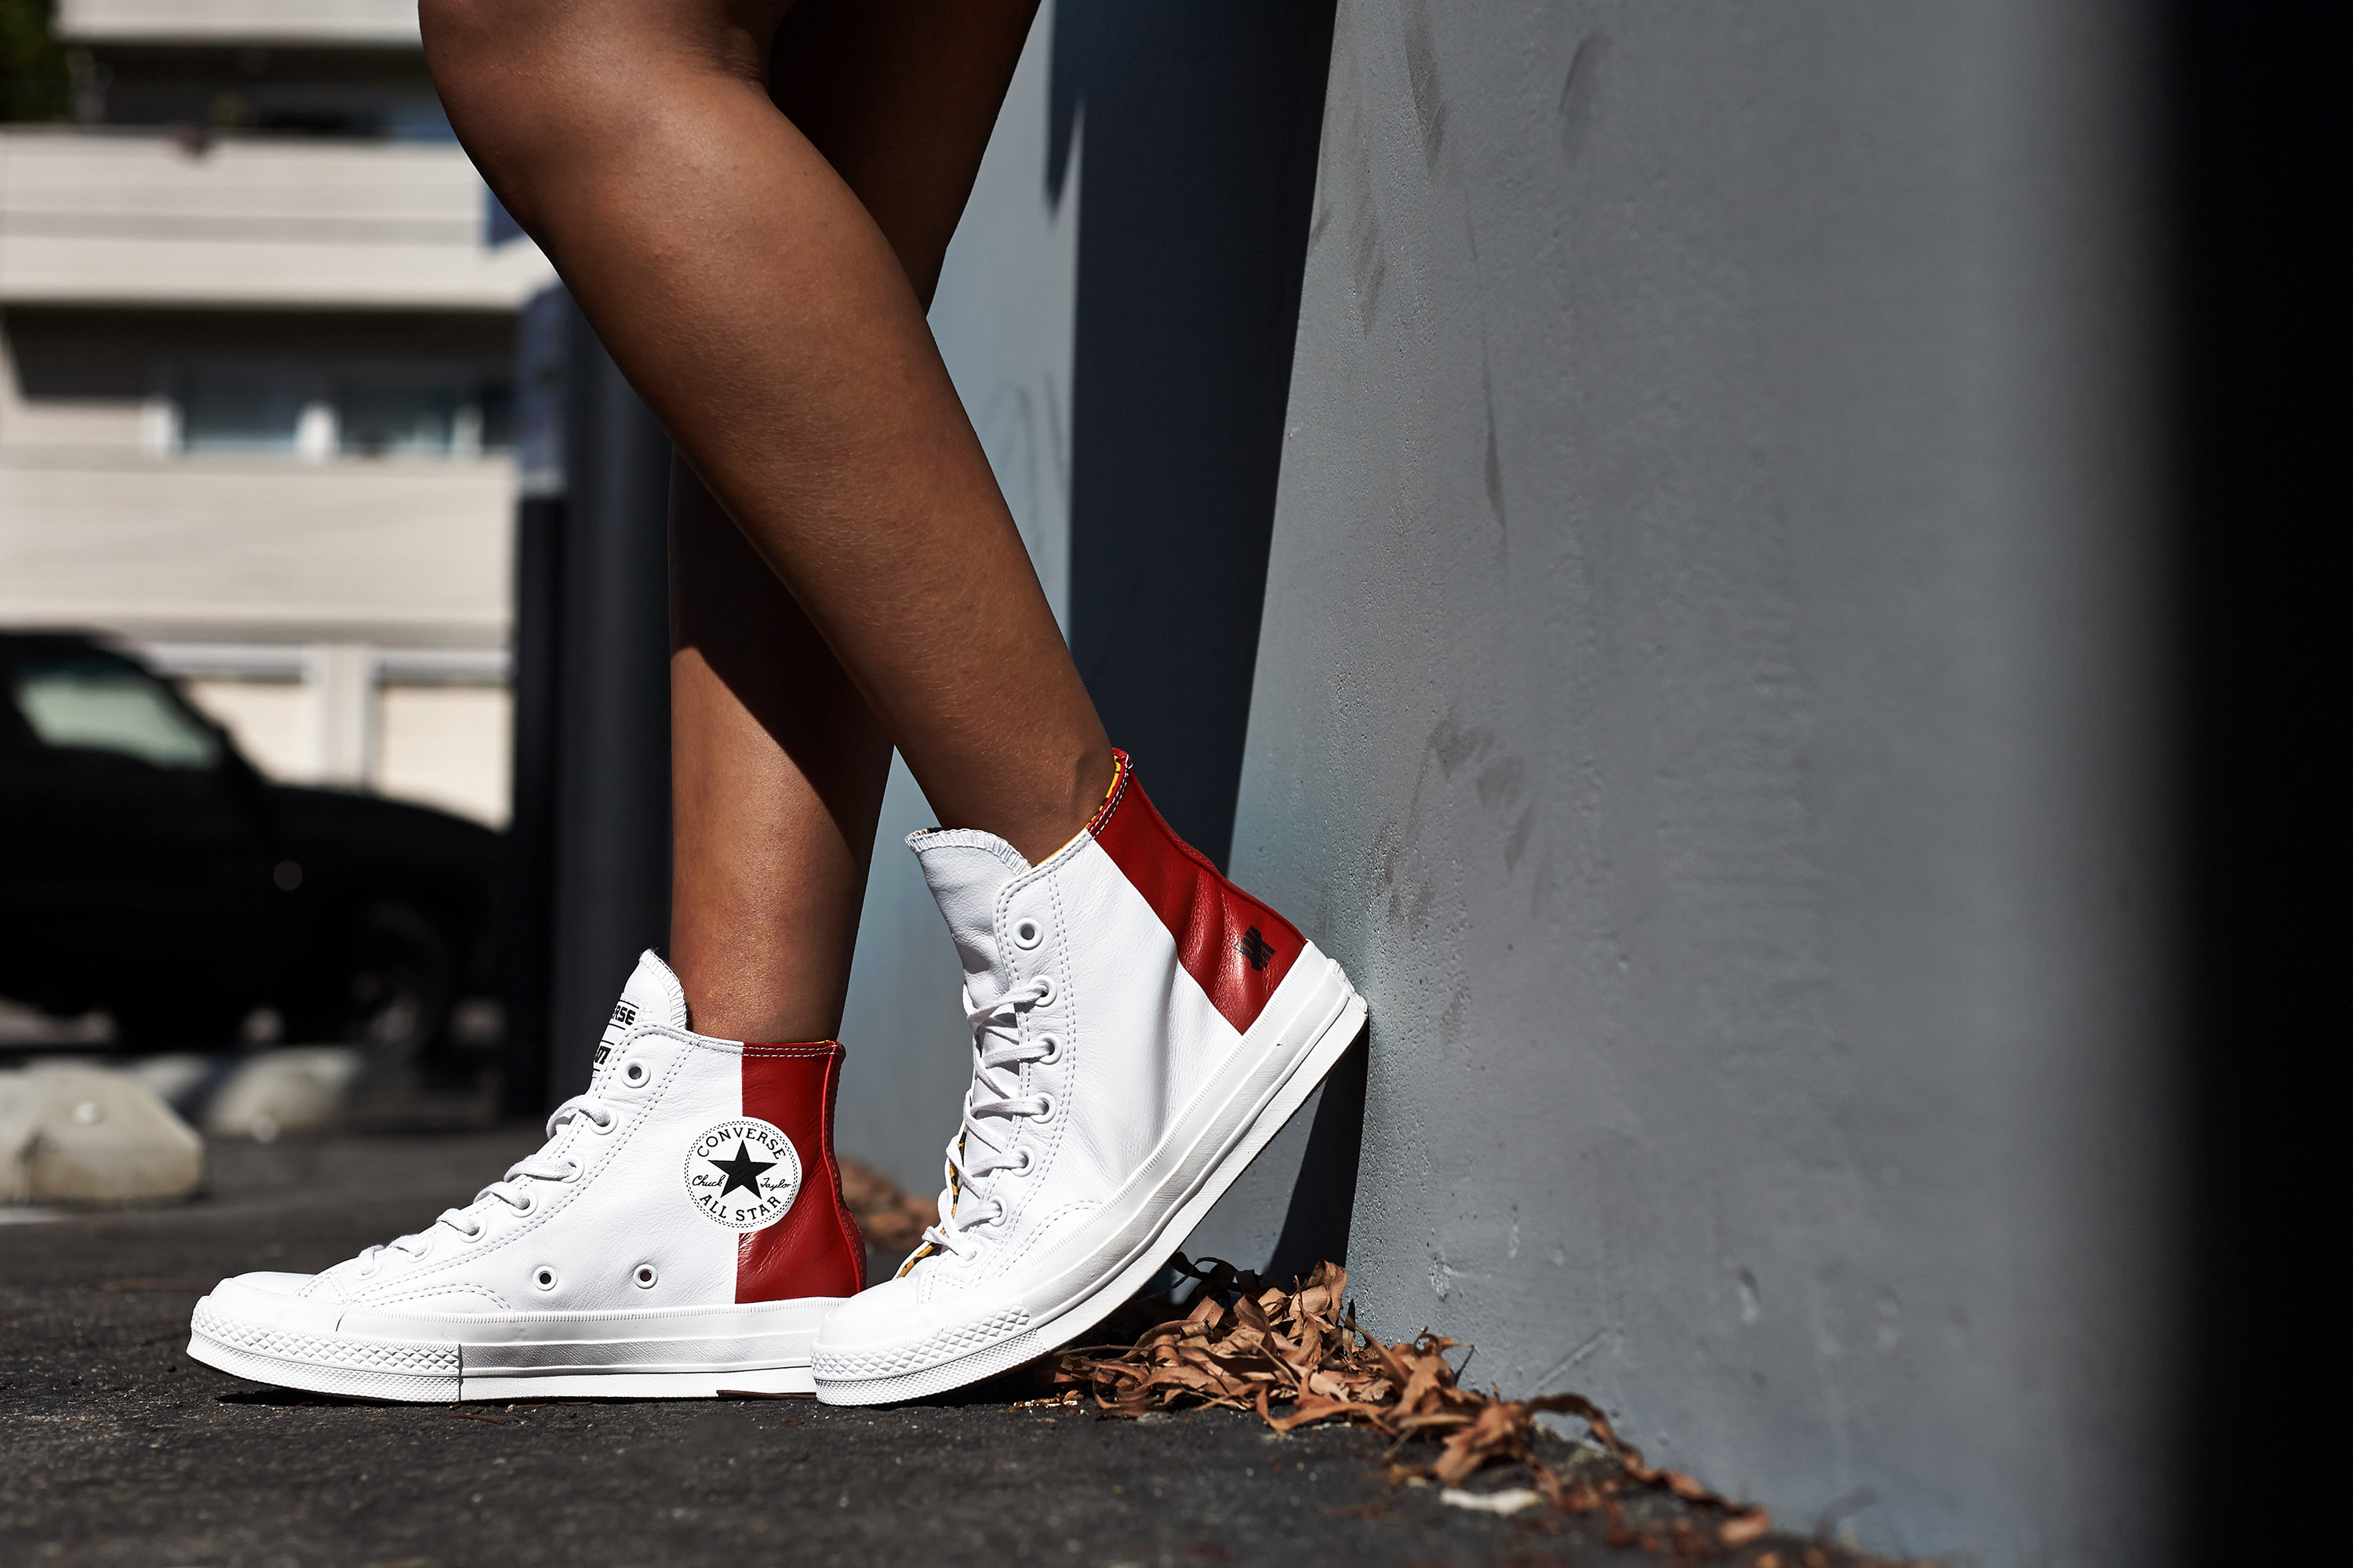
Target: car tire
{"x": 396, "y": 993}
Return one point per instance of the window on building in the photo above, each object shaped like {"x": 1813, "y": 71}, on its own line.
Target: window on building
{"x": 407, "y": 421}
{"x": 395, "y": 412}
{"x": 498, "y": 416}
{"x": 232, "y": 411}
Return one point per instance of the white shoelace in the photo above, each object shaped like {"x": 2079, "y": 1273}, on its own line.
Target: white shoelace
{"x": 510, "y": 1189}
{"x": 974, "y": 1154}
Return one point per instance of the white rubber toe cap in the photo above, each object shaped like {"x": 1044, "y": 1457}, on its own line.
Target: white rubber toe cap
{"x": 885, "y": 1314}
{"x": 271, "y": 1298}
{"x": 890, "y": 1335}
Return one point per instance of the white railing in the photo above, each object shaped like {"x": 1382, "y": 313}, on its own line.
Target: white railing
{"x": 391, "y": 23}
{"x": 117, "y": 216}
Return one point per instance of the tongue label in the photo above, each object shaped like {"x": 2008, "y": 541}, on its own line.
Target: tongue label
{"x": 625, "y": 1013}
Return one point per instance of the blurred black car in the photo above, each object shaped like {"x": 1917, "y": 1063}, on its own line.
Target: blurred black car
{"x": 146, "y": 868}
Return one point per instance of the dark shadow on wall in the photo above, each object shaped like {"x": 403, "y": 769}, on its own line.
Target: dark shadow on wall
{"x": 1197, "y": 125}
{"x": 1324, "y": 1198}
{"x": 2259, "y": 293}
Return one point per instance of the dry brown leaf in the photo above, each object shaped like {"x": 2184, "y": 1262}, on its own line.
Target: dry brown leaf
{"x": 1301, "y": 1347}
{"x": 893, "y": 1220}
{"x": 1682, "y": 1486}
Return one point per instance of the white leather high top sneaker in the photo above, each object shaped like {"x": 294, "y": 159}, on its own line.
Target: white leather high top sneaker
{"x": 682, "y": 1231}
{"x": 1141, "y": 1027}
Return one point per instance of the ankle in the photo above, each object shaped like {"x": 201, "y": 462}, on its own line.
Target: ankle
{"x": 765, "y": 1026}
{"x": 1089, "y": 782}
{"x": 737, "y": 1005}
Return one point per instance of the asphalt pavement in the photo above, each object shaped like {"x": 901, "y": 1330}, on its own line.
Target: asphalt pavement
{"x": 119, "y": 1449}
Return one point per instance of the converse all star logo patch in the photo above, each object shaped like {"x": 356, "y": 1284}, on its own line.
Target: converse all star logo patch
{"x": 742, "y": 1173}
{"x": 624, "y": 1013}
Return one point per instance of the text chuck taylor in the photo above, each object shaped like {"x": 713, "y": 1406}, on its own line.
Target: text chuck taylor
{"x": 682, "y": 1231}
{"x": 1141, "y": 1028}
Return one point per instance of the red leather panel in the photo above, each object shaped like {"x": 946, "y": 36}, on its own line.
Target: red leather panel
{"x": 1236, "y": 946}
{"x": 817, "y": 1248}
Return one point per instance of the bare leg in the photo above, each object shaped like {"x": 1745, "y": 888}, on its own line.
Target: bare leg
{"x": 768, "y": 320}
{"x": 778, "y": 764}
{"x": 777, "y": 775}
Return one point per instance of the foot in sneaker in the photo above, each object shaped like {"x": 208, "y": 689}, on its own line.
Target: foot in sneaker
{"x": 682, "y": 1231}
{"x": 1141, "y": 1028}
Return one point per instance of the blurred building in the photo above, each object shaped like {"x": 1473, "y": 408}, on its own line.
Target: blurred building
{"x": 256, "y": 327}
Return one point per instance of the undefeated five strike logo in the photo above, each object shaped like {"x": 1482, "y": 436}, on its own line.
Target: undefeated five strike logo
{"x": 1256, "y": 947}
{"x": 742, "y": 1174}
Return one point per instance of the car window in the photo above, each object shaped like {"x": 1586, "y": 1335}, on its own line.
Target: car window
{"x": 103, "y": 704}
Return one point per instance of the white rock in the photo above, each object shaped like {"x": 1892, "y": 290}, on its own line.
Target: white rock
{"x": 1506, "y": 1502}
{"x": 171, "y": 1075}
{"x": 73, "y": 1134}
{"x": 299, "y": 1089}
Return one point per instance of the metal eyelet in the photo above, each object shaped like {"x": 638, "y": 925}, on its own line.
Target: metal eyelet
{"x": 634, "y": 1074}
{"x": 543, "y": 1277}
{"x": 644, "y": 1276}
{"x": 602, "y": 1128}
{"x": 1052, "y": 992}
{"x": 1053, "y": 1044}
{"x": 1028, "y": 1159}
{"x": 1027, "y": 933}
{"x": 1046, "y": 1115}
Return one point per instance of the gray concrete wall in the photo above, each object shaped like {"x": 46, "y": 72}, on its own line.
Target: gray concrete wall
{"x": 1707, "y": 698}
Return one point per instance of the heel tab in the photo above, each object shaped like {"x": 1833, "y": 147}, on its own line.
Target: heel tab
{"x": 817, "y": 1248}
{"x": 1123, "y": 770}
{"x": 1235, "y": 946}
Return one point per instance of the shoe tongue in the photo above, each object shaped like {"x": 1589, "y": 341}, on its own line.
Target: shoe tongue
{"x": 966, "y": 869}
{"x": 653, "y": 996}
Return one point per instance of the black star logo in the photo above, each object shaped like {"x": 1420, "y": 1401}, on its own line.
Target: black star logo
{"x": 742, "y": 1171}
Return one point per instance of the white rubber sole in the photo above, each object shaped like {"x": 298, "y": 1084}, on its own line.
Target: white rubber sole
{"x": 1176, "y": 1187}
{"x": 763, "y": 1347}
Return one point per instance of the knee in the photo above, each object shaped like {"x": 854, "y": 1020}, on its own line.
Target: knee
{"x": 482, "y": 51}
{"x": 493, "y": 63}
{"x": 530, "y": 83}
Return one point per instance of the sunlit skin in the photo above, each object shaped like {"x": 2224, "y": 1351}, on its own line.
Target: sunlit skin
{"x": 845, "y": 575}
